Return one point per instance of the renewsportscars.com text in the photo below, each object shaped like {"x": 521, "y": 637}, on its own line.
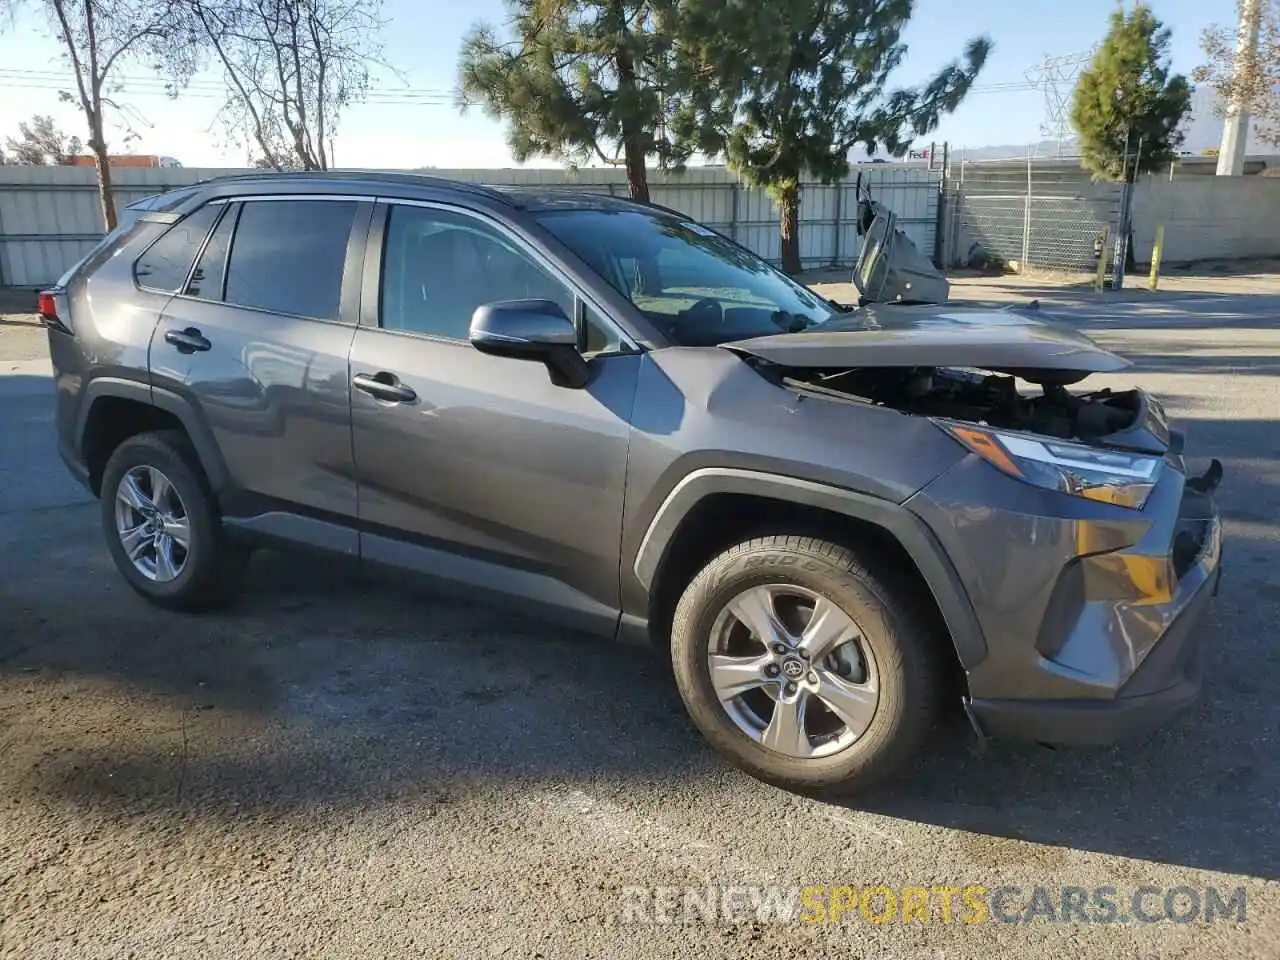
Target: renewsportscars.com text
{"x": 963, "y": 903}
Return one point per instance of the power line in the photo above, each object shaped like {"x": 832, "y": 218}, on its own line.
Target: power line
{"x": 210, "y": 90}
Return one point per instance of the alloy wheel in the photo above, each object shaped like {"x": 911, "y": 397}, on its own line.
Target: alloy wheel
{"x": 152, "y": 523}
{"x": 793, "y": 671}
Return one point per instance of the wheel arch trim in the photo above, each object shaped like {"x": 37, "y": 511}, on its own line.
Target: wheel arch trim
{"x": 911, "y": 533}
{"x": 197, "y": 429}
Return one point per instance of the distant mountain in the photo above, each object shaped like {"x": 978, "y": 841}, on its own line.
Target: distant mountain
{"x": 1044, "y": 149}
{"x": 1202, "y": 130}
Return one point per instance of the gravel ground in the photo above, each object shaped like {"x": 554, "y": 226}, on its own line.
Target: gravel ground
{"x": 349, "y": 767}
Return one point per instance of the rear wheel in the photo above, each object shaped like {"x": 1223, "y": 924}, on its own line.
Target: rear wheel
{"x": 805, "y": 664}
{"x": 162, "y": 524}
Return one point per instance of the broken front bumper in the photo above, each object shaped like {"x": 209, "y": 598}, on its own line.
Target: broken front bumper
{"x": 1092, "y": 617}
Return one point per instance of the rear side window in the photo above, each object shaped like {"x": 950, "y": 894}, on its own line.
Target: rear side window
{"x": 167, "y": 261}
{"x": 206, "y": 279}
{"x": 288, "y": 255}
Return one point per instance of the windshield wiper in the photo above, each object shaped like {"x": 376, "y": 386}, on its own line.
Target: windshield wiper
{"x": 791, "y": 322}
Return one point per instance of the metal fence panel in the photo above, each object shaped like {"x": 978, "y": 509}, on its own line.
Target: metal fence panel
{"x": 49, "y": 216}
{"x": 1063, "y": 230}
{"x": 1041, "y": 215}
{"x": 990, "y": 227}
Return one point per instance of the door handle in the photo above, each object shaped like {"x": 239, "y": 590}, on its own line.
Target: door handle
{"x": 187, "y": 341}
{"x": 384, "y": 386}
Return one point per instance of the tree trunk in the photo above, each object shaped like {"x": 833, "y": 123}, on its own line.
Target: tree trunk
{"x": 637, "y": 175}
{"x": 632, "y": 139}
{"x": 99, "y": 147}
{"x": 788, "y": 197}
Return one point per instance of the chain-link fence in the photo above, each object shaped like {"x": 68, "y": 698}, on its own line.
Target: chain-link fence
{"x": 1029, "y": 214}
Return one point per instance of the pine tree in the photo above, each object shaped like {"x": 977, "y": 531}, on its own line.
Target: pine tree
{"x": 581, "y": 80}
{"x": 784, "y": 90}
{"x": 1127, "y": 104}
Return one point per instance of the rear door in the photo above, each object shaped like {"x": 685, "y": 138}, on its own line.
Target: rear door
{"x": 257, "y": 341}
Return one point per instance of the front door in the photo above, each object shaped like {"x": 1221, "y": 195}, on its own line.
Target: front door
{"x": 478, "y": 468}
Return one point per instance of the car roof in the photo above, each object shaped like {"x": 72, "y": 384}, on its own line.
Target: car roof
{"x": 531, "y": 197}
{"x": 554, "y": 197}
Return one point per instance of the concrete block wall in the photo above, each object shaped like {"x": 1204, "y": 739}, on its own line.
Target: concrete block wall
{"x": 1207, "y": 218}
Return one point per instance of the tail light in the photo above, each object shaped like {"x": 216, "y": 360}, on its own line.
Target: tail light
{"x": 47, "y": 304}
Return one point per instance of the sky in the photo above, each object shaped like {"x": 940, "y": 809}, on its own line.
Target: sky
{"x": 412, "y": 122}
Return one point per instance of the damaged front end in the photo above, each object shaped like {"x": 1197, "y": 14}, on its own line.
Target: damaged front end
{"x": 1104, "y": 445}
{"x": 1086, "y": 553}
{"x": 1000, "y": 369}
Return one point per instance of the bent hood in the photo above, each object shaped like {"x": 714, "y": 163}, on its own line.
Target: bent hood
{"x": 1002, "y": 341}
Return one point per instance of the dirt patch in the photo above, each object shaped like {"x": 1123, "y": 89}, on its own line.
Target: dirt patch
{"x": 21, "y": 341}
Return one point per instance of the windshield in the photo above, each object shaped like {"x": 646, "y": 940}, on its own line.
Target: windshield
{"x": 698, "y": 287}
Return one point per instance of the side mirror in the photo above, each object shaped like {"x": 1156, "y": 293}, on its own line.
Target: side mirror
{"x": 531, "y": 330}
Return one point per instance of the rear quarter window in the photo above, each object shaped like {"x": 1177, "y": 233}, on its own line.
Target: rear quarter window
{"x": 166, "y": 263}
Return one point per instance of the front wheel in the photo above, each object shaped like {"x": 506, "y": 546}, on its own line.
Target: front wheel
{"x": 805, "y": 664}
{"x": 162, "y": 524}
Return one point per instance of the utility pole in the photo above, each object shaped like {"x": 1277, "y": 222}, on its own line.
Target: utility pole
{"x": 1235, "y": 128}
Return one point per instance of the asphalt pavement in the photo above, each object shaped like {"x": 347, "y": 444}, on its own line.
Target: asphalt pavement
{"x": 345, "y": 766}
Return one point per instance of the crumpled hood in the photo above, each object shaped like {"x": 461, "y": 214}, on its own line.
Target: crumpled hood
{"x": 1002, "y": 341}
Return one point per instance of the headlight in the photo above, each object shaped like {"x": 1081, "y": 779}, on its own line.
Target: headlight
{"x": 1108, "y": 476}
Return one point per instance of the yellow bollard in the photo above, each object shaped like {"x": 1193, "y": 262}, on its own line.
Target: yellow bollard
{"x": 1154, "y": 282}
{"x": 1102, "y": 260}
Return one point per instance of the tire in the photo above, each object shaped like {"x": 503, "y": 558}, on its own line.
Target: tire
{"x": 895, "y": 652}
{"x": 211, "y": 565}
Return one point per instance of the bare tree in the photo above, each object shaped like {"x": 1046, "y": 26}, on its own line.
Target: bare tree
{"x": 291, "y": 67}
{"x": 1253, "y": 81}
{"x": 96, "y": 37}
{"x": 41, "y": 143}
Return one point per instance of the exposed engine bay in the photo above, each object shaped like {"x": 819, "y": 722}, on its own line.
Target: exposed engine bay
{"x": 992, "y": 399}
{"x": 1006, "y": 369}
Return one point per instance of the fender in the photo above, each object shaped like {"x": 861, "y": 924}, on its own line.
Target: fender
{"x": 197, "y": 429}
{"x": 909, "y": 530}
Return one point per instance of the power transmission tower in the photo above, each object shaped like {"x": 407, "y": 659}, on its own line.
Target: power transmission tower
{"x": 1056, "y": 77}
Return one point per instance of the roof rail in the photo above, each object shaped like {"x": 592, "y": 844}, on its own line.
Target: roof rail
{"x": 359, "y": 176}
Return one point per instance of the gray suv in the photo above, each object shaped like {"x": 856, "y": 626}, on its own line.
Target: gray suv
{"x": 832, "y": 518}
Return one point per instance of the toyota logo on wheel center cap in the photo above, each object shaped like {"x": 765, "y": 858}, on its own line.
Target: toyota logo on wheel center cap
{"x": 794, "y": 669}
